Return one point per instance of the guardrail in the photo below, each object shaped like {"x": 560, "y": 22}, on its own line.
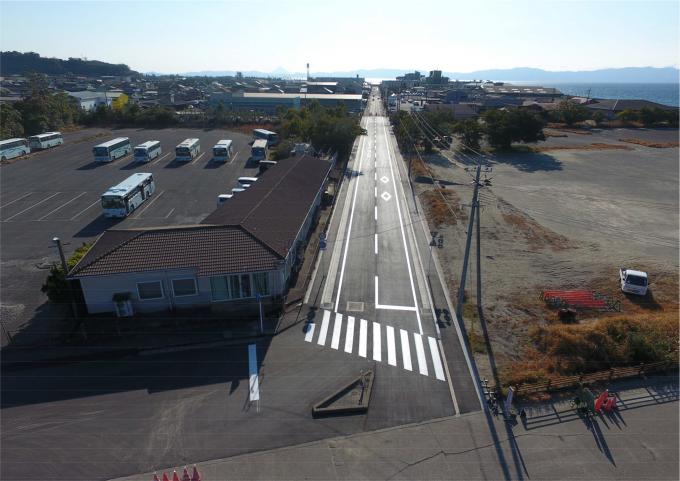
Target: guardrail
{"x": 563, "y": 382}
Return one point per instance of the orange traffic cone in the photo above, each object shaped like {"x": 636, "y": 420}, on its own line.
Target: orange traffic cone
{"x": 600, "y": 400}
{"x": 174, "y": 476}
{"x": 185, "y": 475}
{"x": 196, "y": 476}
{"x": 165, "y": 477}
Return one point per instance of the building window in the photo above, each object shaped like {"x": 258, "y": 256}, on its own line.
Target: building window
{"x": 184, "y": 287}
{"x": 220, "y": 288}
{"x": 261, "y": 283}
{"x": 239, "y": 286}
{"x": 150, "y": 290}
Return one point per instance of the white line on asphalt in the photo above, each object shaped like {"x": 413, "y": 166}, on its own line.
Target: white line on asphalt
{"x": 403, "y": 234}
{"x": 337, "y": 327}
{"x": 29, "y": 208}
{"x": 86, "y": 208}
{"x": 233, "y": 158}
{"x": 15, "y": 200}
{"x": 420, "y": 353}
{"x": 324, "y": 328}
{"x": 375, "y": 192}
{"x": 349, "y": 335}
{"x": 391, "y": 348}
{"x": 349, "y": 233}
{"x": 377, "y": 354}
{"x": 159, "y": 159}
{"x": 436, "y": 360}
{"x": 254, "y": 384}
{"x": 197, "y": 157}
{"x": 389, "y": 307}
{"x": 309, "y": 331}
{"x": 376, "y": 244}
{"x": 148, "y": 205}
{"x": 448, "y": 376}
{"x": 405, "y": 350}
{"x": 170, "y": 213}
{"x": 363, "y": 327}
{"x": 375, "y": 212}
{"x": 63, "y": 205}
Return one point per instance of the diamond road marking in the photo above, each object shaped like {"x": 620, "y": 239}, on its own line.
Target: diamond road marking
{"x": 384, "y": 179}
{"x": 386, "y": 196}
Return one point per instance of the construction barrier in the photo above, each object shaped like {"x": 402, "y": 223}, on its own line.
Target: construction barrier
{"x": 195, "y": 476}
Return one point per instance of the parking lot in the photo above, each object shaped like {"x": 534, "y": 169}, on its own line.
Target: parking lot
{"x": 57, "y": 193}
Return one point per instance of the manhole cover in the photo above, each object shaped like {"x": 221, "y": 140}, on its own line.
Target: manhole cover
{"x": 354, "y": 306}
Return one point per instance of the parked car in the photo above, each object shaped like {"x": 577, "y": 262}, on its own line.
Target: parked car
{"x": 633, "y": 282}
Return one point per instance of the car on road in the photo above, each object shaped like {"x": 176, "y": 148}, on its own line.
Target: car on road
{"x": 633, "y": 282}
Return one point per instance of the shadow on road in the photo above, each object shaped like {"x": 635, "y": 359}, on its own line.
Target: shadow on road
{"x": 97, "y": 226}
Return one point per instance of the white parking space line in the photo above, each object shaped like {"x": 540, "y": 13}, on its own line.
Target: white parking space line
{"x": 15, "y": 200}
{"x": 159, "y": 159}
{"x": 405, "y": 350}
{"x": 349, "y": 335}
{"x": 63, "y": 205}
{"x": 324, "y": 328}
{"x": 29, "y": 208}
{"x": 377, "y": 354}
{"x": 436, "y": 360}
{"x": 337, "y": 327}
{"x": 148, "y": 205}
{"x": 197, "y": 157}
{"x": 170, "y": 213}
{"x": 254, "y": 383}
{"x": 98, "y": 201}
{"x": 363, "y": 328}
{"x": 309, "y": 333}
{"x": 420, "y": 353}
{"x": 391, "y": 348}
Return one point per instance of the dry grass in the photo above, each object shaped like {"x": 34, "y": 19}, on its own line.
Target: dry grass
{"x": 654, "y": 145}
{"x": 564, "y": 128}
{"x": 418, "y": 168}
{"x": 553, "y": 133}
{"x": 442, "y": 207}
{"x": 535, "y": 234}
{"x": 593, "y": 146}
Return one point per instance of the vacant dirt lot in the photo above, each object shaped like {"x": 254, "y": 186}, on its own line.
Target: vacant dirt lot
{"x": 560, "y": 219}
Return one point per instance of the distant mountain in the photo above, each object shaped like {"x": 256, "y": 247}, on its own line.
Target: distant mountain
{"x": 17, "y": 63}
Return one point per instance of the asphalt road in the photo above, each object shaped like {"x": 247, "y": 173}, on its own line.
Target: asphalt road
{"x": 57, "y": 192}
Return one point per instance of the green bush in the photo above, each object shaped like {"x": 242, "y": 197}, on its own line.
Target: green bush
{"x": 56, "y": 287}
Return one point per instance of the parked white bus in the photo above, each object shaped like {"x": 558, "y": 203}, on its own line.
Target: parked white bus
{"x": 46, "y": 140}
{"x": 187, "y": 150}
{"x": 259, "y": 150}
{"x": 147, "y": 151}
{"x": 271, "y": 137}
{"x": 222, "y": 151}
{"x": 112, "y": 150}
{"x": 247, "y": 180}
{"x": 11, "y": 148}
{"x": 122, "y": 199}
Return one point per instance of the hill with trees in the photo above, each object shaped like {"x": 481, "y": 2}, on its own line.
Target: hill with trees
{"x": 18, "y": 63}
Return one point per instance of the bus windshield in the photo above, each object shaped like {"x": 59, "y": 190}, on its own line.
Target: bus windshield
{"x": 140, "y": 152}
{"x": 182, "y": 151}
{"x": 112, "y": 202}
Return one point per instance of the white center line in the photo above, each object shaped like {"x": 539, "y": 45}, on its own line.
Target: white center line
{"x": 375, "y": 212}
{"x": 377, "y": 354}
{"x": 337, "y": 327}
{"x": 254, "y": 383}
{"x": 391, "y": 348}
{"x": 420, "y": 353}
{"x": 363, "y": 328}
{"x": 15, "y": 200}
{"x": 148, "y": 205}
{"x": 436, "y": 360}
{"x": 375, "y": 192}
{"x": 63, "y": 205}
{"x": 376, "y": 244}
{"x": 405, "y": 350}
{"x": 324, "y": 328}
{"x": 349, "y": 335}
{"x": 29, "y": 208}
{"x": 86, "y": 208}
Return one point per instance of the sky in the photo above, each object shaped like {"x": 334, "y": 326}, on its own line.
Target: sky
{"x": 269, "y": 35}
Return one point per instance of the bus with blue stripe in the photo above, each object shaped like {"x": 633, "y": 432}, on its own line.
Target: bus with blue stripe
{"x": 11, "y": 148}
{"x": 112, "y": 150}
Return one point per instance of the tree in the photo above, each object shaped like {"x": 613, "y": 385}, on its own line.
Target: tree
{"x": 119, "y": 102}
{"x": 503, "y": 127}
{"x": 470, "y": 132}
{"x": 628, "y": 115}
{"x": 56, "y": 286}
{"x": 11, "y": 123}
{"x": 570, "y": 113}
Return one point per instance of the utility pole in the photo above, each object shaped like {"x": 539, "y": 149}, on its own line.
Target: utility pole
{"x": 479, "y": 262}
{"x": 471, "y": 225}
{"x": 64, "y": 266}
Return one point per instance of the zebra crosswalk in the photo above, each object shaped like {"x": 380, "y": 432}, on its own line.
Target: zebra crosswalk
{"x": 365, "y": 338}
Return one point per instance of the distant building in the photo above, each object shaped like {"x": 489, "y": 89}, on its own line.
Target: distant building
{"x": 90, "y": 100}
{"x": 459, "y": 111}
{"x": 611, "y": 107}
{"x": 269, "y": 102}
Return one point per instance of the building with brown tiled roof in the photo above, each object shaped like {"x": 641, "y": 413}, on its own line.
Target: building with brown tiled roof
{"x": 248, "y": 246}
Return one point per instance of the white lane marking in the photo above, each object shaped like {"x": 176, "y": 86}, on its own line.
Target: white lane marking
{"x": 29, "y": 208}
{"x": 405, "y": 350}
{"x": 375, "y": 175}
{"x": 15, "y": 200}
{"x": 376, "y": 244}
{"x": 254, "y": 383}
{"x": 391, "y": 348}
{"x": 420, "y": 353}
{"x": 63, "y": 205}
{"x": 337, "y": 327}
{"x": 324, "y": 328}
{"x": 159, "y": 159}
{"x": 377, "y": 354}
{"x": 349, "y": 233}
{"x": 363, "y": 327}
{"x": 197, "y": 157}
{"x": 436, "y": 360}
{"x": 349, "y": 335}
{"x": 375, "y": 192}
{"x": 375, "y": 212}
{"x": 309, "y": 331}
{"x": 86, "y": 208}
{"x": 389, "y": 306}
{"x": 170, "y": 213}
{"x": 148, "y": 205}
{"x": 403, "y": 234}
